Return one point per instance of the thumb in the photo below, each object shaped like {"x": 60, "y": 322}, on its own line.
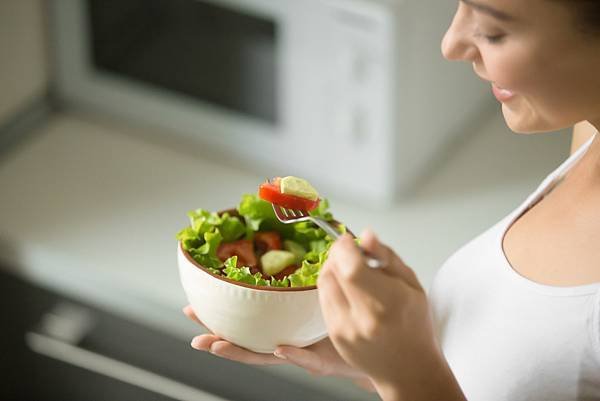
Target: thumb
{"x": 302, "y": 357}
{"x": 394, "y": 265}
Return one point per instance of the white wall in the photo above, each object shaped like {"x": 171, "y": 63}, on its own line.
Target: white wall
{"x": 23, "y": 54}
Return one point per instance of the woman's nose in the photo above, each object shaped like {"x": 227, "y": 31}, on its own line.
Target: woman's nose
{"x": 457, "y": 44}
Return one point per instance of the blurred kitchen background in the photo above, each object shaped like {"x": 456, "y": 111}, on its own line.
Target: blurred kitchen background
{"x": 119, "y": 116}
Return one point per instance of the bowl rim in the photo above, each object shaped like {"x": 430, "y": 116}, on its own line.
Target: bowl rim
{"x": 234, "y": 212}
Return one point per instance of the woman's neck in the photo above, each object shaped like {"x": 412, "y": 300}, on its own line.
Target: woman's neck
{"x": 593, "y": 159}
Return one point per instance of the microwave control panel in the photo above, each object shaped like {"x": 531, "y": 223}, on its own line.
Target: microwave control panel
{"x": 359, "y": 71}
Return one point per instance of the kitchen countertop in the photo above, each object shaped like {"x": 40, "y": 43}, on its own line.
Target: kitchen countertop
{"x": 90, "y": 207}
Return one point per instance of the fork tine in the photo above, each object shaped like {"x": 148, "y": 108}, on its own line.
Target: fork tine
{"x": 286, "y": 215}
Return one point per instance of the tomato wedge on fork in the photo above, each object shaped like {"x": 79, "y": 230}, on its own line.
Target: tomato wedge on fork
{"x": 270, "y": 192}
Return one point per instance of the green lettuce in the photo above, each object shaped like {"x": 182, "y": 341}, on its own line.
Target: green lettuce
{"x": 244, "y": 275}
{"x": 231, "y": 228}
{"x": 255, "y": 211}
{"x": 207, "y": 230}
{"x": 308, "y": 273}
{"x": 203, "y": 222}
{"x": 206, "y": 254}
{"x": 322, "y": 210}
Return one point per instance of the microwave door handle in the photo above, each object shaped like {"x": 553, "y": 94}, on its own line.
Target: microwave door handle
{"x": 104, "y": 365}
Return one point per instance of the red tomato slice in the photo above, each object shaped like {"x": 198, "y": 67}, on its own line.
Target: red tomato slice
{"x": 270, "y": 192}
{"x": 267, "y": 240}
{"x": 243, "y": 249}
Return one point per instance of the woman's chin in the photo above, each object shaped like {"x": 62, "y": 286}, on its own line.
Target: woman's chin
{"x": 523, "y": 122}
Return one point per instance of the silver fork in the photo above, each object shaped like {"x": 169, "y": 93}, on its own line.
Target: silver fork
{"x": 288, "y": 216}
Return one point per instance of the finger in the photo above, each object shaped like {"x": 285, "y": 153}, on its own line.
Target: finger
{"x": 333, "y": 302}
{"x": 348, "y": 266}
{"x": 364, "y": 288}
{"x": 320, "y": 358}
{"x": 189, "y": 312}
{"x": 370, "y": 243}
{"x": 203, "y": 342}
{"x": 217, "y": 346}
{"x": 349, "y": 262}
{"x": 334, "y": 305}
{"x": 227, "y": 350}
{"x": 303, "y": 358}
{"x": 329, "y": 288}
{"x": 394, "y": 264}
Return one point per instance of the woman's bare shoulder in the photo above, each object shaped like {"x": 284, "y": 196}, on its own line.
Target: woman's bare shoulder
{"x": 581, "y": 133}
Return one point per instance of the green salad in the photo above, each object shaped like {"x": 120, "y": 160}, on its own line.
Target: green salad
{"x": 254, "y": 247}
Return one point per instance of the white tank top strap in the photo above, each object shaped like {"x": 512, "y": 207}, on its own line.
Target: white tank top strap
{"x": 557, "y": 175}
{"x": 551, "y": 180}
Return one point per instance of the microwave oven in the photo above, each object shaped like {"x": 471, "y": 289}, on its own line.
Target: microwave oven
{"x": 353, "y": 95}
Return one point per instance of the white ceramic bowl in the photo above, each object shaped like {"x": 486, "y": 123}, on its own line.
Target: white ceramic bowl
{"x": 253, "y": 317}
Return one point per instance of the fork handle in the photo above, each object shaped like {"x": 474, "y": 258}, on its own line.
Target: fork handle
{"x": 370, "y": 260}
{"x": 328, "y": 228}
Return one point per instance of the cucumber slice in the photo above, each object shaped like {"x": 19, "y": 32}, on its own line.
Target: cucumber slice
{"x": 276, "y": 260}
{"x": 295, "y": 248}
{"x": 299, "y": 187}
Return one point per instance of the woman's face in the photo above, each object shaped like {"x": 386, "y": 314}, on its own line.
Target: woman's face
{"x": 542, "y": 68}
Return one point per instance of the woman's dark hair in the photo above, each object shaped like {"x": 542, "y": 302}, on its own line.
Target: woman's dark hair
{"x": 587, "y": 14}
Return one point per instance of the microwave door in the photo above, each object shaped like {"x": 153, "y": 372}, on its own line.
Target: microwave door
{"x": 206, "y": 51}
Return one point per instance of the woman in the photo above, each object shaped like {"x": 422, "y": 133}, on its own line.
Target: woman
{"x": 515, "y": 313}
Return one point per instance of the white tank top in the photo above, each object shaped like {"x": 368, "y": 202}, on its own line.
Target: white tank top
{"x": 509, "y": 338}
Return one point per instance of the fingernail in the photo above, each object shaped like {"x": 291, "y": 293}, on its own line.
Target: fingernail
{"x": 195, "y": 343}
{"x": 279, "y": 355}
{"x": 368, "y": 232}
{"x": 347, "y": 238}
{"x": 212, "y": 350}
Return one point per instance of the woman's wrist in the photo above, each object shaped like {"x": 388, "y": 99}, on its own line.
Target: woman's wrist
{"x": 429, "y": 379}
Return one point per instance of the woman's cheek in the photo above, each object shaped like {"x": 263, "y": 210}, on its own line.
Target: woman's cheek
{"x": 509, "y": 71}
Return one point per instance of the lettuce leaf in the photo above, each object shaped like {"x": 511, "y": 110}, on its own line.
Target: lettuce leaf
{"x": 203, "y": 222}
{"x": 212, "y": 240}
{"x": 284, "y": 282}
{"x": 206, "y": 254}
{"x": 308, "y": 273}
{"x": 242, "y": 273}
{"x": 255, "y": 211}
{"x": 322, "y": 210}
{"x": 231, "y": 228}
{"x": 189, "y": 238}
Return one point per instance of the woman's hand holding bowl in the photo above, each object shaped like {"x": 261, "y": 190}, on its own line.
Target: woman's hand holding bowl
{"x": 320, "y": 359}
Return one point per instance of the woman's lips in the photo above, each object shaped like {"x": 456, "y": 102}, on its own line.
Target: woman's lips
{"x": 503, "y": 95}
